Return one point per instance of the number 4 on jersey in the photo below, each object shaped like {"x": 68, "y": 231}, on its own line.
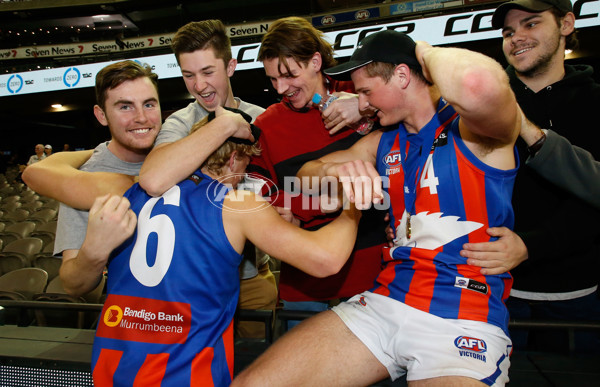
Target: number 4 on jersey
{"x": 428, "y": 178}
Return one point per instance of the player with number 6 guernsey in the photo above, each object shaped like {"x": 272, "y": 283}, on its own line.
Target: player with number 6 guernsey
{"x": 173, "y": 287}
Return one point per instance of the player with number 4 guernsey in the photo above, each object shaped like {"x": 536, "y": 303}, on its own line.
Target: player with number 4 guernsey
{"x": 447, "y": 169}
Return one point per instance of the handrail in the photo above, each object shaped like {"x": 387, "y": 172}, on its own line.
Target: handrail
{"x": 81, "y": 306}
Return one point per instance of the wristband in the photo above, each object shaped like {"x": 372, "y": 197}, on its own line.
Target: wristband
{"x": 536, "y": 146}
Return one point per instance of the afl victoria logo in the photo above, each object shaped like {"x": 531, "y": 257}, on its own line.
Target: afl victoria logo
{"x": 471, "y": 344}
{"x": 14, "y": 84}
{"x": 392, "y": 159}
{"x": 71, "y": 77}
{"x": 112, "y": 316}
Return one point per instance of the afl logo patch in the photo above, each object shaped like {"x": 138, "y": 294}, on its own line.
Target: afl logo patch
{"x": 392, "y": 159}
{"x": 471, "y": 344}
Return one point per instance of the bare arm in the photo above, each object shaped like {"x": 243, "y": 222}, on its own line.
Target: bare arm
{"x": 169, "y": 163}
{"x": 58, "y": 176}
{"x": 319, "y": 253}
{"x": 478, "y": 88}
{"x": 353, "y": 167}
{"x": 343, "y": 111}
{"x": 110, "y": 223}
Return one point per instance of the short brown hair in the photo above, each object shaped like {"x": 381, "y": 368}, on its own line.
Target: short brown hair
{"x": 294, "y": 37}
{"x": 386, "y": 70}
{"x": 200, "y": 36}
{"x": 217, "y": 160}
{"x": 115, "y": 74}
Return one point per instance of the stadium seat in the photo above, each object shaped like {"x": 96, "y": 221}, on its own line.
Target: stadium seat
{"x": 17, "y": 215}
{"x": 27, "y": 281}
{"x": 11, "y": 199}
{"x": 46, "y": 232}
{"x": 43, "y": 215}
{"x": 31, "y": 206}
{"x": 17, "y": 231}
{"x": 68, "y": 318}
{"x": 20, "y": 285}
{"x": 48, "y": 263}
{"x": 25, "y": 247}
{"x": 10, "y": 206}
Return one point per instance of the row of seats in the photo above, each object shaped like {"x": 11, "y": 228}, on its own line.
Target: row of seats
{"x": 29, "y": 280}
{"x": 27, "y": 229}
{"x": 27, "y": 252}
{"x": 32, "y": 284}
{"x": 45, "y": 231}
{"x": 13, "y": 212}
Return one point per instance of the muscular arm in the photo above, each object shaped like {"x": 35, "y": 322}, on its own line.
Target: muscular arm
{"x": 490, "y": 120}
{"x": 58, "y": 176}
{"x": 319, "y": 253}
{"x": 353, "y": 167}
{"x": 478, "y": 88}
{"x": 110, "y": 223}
{"x": 169, "y": 163}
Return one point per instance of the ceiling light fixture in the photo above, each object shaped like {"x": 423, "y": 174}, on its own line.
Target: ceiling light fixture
{"x": 56, "y": 106}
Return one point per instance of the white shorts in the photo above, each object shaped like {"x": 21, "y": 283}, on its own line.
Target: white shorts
{"x": 407, "y": 340}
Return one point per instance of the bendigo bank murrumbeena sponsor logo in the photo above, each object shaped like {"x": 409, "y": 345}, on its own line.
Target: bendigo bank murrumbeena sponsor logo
{"x": 145, "y": 320}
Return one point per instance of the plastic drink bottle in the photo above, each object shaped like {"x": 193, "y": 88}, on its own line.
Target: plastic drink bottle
{"x": 364, "y": 126}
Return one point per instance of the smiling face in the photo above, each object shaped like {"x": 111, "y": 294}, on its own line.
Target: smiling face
{"x": 132, "y": 113}
{"x": 375, "y": 93}
{"x": 206, "y": 77}
{"x": 300, "y": 83}
{"x": 532, "y": 42}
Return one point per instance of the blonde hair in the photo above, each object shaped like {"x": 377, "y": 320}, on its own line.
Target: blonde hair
{"x": 219, "y": 158}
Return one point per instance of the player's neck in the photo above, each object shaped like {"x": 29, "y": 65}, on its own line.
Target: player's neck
{"x": 231, "y": 102}
{"x": 423, "y": 110}
{"x": 127, "y": 154}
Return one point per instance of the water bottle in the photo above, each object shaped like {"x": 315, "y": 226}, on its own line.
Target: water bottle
{"x": 322, "y": 105}
{"x": 363, "y": 126}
